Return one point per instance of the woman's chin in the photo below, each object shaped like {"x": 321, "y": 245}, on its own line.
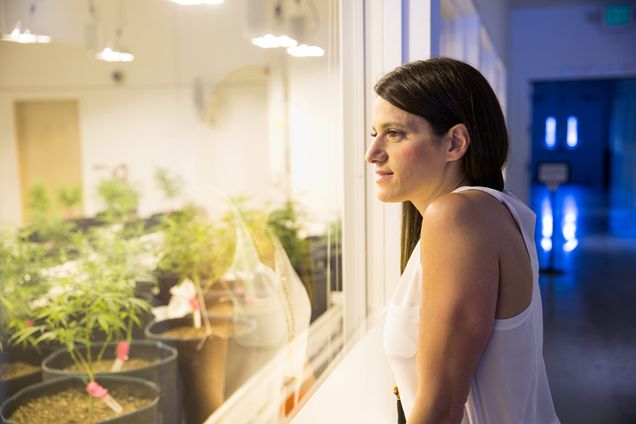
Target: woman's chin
{"x": 383, "y": 196}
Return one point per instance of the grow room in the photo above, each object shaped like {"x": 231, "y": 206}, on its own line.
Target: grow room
{"x": 171, "y": 207}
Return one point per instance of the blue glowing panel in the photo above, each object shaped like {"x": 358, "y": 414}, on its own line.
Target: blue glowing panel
{"x": 570, "y": 221}
{"x": 573, "y": 135}
{"x": 550, "y": 132}
{"x": 547, "y": 224}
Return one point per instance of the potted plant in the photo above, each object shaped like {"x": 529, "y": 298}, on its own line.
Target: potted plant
{"x": 269, "y": 292}
{"x": 171, "y": 186}
{"x": 92, "y": 294}
{"x": 196, "y": 249}
{"x": 120, "y": 199}
{"x": 69, "y": 198}
{"x": 20, "y": 281}
{"x": 45, "y": 225}
{"x": 127, "y": 257}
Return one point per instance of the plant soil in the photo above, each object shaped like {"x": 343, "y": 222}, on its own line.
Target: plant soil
{"x": 222, "y": 329}
{"x": 73, "y": 406}
{"x": 15, "y": 369}
{"x": 224, "y": 309}
{"x": 104, "y": 365}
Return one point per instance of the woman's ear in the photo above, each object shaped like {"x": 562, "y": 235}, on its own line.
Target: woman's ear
{"x": 459, "y": 142}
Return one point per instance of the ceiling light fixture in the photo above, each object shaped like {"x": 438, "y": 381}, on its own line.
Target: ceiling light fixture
{"x": 268, "y": 24}
{"x": 269, "y": 41}
{"x": 303, "y": 21}
{"x": 24, "y": 35}
{"x": 110, "y": 54}
{"x": 305, "y": 50}
{"x": 114, "y": 51}
{"x": 196, "y": 2}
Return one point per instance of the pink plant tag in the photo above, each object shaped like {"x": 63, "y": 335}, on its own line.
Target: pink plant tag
{"x": 196, "y": 312}
{"x": 94, "y": 389}
{"x": 123, "y": 348}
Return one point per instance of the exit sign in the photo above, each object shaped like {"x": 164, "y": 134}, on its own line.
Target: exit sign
{"x": 617, "y": 16}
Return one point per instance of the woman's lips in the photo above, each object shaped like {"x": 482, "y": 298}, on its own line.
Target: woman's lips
{"x": 383, "y": 176}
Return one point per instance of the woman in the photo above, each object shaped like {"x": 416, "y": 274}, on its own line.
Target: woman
{"x": 463, "y": 331}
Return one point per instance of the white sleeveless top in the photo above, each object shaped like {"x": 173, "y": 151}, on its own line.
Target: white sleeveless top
{"x": 510, "y": 384}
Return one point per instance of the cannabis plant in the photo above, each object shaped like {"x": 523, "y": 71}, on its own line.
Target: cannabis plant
{"x": 170, "y": 185}
{"x": 120, "y": 200}
{"x": 92, "y": 295}
{"x": 69, "y": 198}
{"x": 21, "y": 281}
{"x": 196, "y": 248}
{"x": 45, "y": 225}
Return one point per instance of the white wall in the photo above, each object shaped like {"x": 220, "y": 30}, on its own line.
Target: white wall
{"x": 152, "y": 119}
{"x": 556, "y": 43}
{"x": 494, "y": 18}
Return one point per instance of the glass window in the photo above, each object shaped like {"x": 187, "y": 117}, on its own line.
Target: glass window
{"x": 550, "y": 132}
{"x": 171, "y": 201}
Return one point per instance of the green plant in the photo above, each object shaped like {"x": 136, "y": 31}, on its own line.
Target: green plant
{"x": 286, "y": 223}
{"x": 170, "y": 185}
{"x": 21, "y": 281}
{"x": 90, "y": 295}
{"x": 195, "y": 247}
{"x": 38, "y": 202}
{"x": 69, "y": 198}
{"x": 45, "y": 225}
{"x": 120, "y": 199}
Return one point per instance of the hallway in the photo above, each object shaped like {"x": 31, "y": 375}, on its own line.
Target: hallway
{"x": 589, "y": 312}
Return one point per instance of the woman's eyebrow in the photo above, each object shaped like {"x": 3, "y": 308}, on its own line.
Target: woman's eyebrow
{"x": 394, "y": 125}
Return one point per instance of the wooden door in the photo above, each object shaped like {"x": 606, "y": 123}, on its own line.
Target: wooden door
{"x": 48, "y": 147}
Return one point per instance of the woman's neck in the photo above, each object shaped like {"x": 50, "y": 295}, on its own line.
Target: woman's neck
{"x": 448, "y": 187}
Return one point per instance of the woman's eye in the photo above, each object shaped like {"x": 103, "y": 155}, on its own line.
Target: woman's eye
{"x": 394, "y": 135}
{"x": 374, "y": 133}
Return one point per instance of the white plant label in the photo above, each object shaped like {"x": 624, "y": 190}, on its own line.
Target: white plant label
{"x": 94, "y": 389}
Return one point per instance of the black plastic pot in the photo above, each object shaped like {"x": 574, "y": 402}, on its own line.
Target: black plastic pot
{"x": 147, "y": 414}
{"x": 202, "y": 366}
{"x": 28, "y": 355}
{"x": 163, "y": 373}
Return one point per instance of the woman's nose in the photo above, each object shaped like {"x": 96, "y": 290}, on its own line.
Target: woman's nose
{"x": 375, "y": 154}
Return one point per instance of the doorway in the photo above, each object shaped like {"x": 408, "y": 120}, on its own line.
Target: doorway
{"x": 48, "y": 141}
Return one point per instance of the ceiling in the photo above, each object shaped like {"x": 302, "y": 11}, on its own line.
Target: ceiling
{"x": 526, "y": 4}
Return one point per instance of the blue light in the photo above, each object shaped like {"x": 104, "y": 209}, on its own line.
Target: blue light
{"x": 550, "y": 132}
{"x": 547, "y": 225}
{"x": 573, "y": 137}
{"x": 570, "y": 223}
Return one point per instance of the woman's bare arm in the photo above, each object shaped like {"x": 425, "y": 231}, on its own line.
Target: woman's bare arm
{"x": 460, "y": 276}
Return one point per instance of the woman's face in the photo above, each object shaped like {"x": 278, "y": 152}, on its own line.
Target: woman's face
{"x": 410, "y": 161}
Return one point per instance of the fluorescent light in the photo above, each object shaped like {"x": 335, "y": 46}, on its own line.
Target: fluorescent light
{"x": 305, "y": 50}
{"x": 572, "y": 134}
{"x": 110, "y": 55}
{"x": 270, "y": 41}
{"x": 196, "y": 2}
{"x": 18, "y": 35}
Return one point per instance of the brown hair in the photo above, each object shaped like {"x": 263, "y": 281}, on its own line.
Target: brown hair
{"x": 447, "y": 92}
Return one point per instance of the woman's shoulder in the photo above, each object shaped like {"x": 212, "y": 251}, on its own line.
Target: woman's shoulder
{"x": 472, "y": 205}
{"x": 471, "y": 211}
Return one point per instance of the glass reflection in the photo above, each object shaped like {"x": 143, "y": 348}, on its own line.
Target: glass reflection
{"x": 109, "y": 224}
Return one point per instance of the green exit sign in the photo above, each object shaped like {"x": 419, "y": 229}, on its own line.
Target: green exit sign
{"x": 617, "y": 16}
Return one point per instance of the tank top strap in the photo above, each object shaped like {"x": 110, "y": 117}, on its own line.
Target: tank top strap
{"x": 523, "y": 216}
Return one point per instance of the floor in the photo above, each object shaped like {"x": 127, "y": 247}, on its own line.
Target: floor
{"x": 589, "y": 304}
